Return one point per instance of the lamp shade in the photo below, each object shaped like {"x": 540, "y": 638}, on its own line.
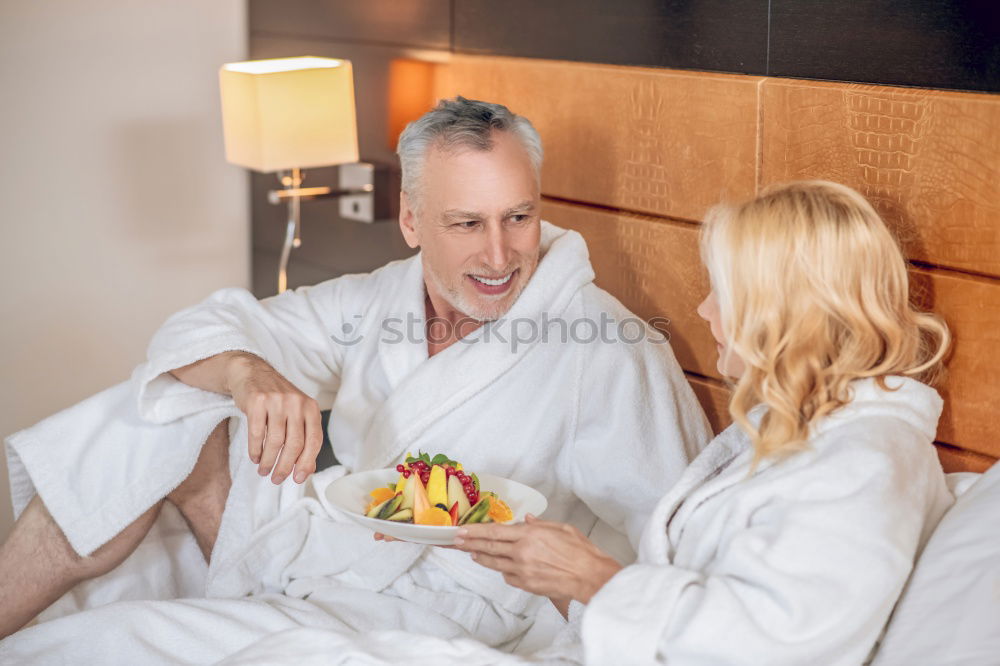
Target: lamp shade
{"x": 289, "y": 112}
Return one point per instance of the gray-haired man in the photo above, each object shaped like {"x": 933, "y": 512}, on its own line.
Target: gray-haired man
{"x": 492, "y": 345}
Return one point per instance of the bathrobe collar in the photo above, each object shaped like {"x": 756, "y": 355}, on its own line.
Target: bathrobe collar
{"x": 426, "y": 389}
{"x": 725, "y": 461}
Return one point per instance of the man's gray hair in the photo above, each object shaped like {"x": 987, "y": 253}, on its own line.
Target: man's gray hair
{"x": 460, "y": 123}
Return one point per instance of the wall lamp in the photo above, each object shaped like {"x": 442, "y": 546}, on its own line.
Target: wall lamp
{"x": 288, "y": 114}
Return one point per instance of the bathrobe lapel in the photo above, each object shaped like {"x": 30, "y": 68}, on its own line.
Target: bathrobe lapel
{"x": 717, "y": 468}
{"x": 425, "y": 390}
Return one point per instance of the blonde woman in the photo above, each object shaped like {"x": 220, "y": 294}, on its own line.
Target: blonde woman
{"x": 789, "y": 539}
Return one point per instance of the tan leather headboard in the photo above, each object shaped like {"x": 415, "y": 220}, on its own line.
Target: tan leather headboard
{"x": 635, "y": 156}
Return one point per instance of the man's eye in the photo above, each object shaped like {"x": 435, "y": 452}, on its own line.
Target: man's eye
{"x": 468, "y": 224}
{"x": 519, "y": 218}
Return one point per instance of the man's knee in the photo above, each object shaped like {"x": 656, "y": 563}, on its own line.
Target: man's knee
{"x": 38, "y": 541}
{"x": 116, "y": 551}
{"x": 209, "y": 481}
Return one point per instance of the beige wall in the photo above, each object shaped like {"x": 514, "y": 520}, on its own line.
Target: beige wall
{"x": 118, "y": 207}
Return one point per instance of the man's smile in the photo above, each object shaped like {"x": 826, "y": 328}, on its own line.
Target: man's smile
{"x": 492, "y": 286}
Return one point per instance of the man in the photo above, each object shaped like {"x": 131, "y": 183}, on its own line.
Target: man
{"x": 492, "y": 345}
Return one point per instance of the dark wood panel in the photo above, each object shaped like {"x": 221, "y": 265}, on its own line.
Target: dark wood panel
{"x": 903, "y": 42}
{"x": 419, "y": 23}
{"x": 971, "y": 388}
{"x": 958, "y": 460}
{"x": 929, "y": 160}
{"x": 720, "y": 35}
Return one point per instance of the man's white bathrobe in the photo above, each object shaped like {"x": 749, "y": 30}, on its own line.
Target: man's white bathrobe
{"x": 798, "y": 563}
{"x": 602, "y": 429}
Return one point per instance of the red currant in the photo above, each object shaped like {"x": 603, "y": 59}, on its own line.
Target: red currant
{"x": 425, "y": 477}
{"x": 400, "y": 468}
{"x": 406, "y": 473}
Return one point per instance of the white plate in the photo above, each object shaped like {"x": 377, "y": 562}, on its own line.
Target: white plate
{"x": 350, "y": 494}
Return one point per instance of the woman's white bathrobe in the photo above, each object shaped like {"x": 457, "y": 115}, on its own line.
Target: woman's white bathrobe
{"x": 800, "y": 563}
{"x": 603, "y": 429}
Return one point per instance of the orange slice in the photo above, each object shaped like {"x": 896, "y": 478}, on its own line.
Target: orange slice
{"x": 499, "y": 511}
{"x": 433, "y": 516}
{"x": 378, "y": 496}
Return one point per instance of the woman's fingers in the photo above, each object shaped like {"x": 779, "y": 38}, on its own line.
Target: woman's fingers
{"x": 486, "y": 546}
{"x": 504, "y": 565}
{"x": 494, "y": 531}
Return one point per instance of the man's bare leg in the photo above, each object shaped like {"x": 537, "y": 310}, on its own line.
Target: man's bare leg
{"x": 201, "y": 498}
{"x": 39, "y": 565}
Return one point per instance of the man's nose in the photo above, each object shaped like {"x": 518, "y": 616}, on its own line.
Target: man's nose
{"x": 497, "y": 247}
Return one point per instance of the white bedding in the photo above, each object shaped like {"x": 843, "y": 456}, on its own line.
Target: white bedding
{"x": 537, "y": 413}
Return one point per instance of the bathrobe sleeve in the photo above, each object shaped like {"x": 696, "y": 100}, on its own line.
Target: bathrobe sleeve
{"x": 639, "y": 423}
{"x": 300, "y": 333}
{"x": 806, "y": 574}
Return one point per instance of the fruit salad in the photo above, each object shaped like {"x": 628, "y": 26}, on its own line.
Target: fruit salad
{"x": 436, "y": 491}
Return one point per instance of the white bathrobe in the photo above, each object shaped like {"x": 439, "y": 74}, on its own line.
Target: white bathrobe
{"x": 603, "y": 429}
{"x": 800, "y": 563}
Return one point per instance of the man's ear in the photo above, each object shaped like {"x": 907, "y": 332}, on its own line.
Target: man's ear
{"x": 408, "y": 222}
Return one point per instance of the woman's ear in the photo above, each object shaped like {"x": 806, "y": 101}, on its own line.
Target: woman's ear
{"x": 408, "y": 222}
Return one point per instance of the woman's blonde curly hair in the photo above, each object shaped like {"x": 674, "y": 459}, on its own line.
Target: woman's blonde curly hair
{"x": 813, "y": 293}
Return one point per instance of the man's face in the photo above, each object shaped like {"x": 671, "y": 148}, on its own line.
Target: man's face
{"x": 477, "y": 223}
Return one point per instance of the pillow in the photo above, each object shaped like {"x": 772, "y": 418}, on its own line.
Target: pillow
{"x": 950, "y": 610}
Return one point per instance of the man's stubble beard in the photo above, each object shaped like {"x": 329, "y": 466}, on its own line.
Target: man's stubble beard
{"x": 456, "y": 297}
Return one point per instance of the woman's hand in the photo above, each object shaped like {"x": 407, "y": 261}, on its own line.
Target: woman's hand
{"x": 551, "y": 559}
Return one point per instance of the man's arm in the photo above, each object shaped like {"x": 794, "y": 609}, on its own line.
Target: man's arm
{"x": 275, "y": 357}
{"x": 215, "y": 372}
{"x": 283, "y": 423}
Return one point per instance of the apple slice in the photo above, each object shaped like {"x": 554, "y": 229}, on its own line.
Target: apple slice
{"x": 407, "y": 489}
{"x": 457, "y": 494}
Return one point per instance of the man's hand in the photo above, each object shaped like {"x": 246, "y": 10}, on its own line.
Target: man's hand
{"x": 284, "y": 424}
{"x": 551, "y": 559}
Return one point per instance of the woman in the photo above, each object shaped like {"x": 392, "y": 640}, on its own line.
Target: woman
{"x": 788, "y": 540}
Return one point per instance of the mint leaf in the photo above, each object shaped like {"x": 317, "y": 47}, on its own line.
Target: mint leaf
{"x": 439, "y": 459}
